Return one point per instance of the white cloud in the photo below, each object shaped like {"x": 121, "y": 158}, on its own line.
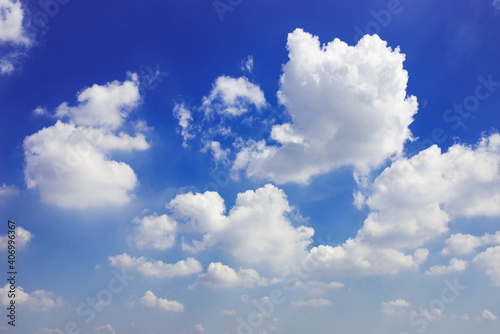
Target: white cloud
{"x": 22, "y": 238}
{"x": 218, "y": 154}
{"x": 157, "y": 269}
{"x": 317, "y": 287}
{"x": 233, "y": 96}
{"x": 154, "y": 232}
{"x": 6, "y": 66}
{"x": 185, "y": 118}
{"x": 315, "y": 302}
{"x": 199, "y": 328}
{"x": 103, "y": 106}
{"x": 455, "y": 265}
{"x": 219, "y": 275}
{"x": 348, "y": 106}
{"x": 395, "y": 307}
{"x": 488, "y": 315}
{"x": 463, "y": 244}
{"x": 11, "y": 22}
{"x": 490, "y": 261}
{"x": 414, "y": 199}
{"x": 40, "y": 111}
{"x": 105, "y": 329}
{"x": 38, "y": 301}
{"x": 256, "y": 230}
{"x": 69, "y": 162}
{"x": 150, "y": 300}
{"x": 229, "y": 312}
{"x": 6, "y": 190}
{"x": 247, "y": 64}
{"x": 496, "y": 4}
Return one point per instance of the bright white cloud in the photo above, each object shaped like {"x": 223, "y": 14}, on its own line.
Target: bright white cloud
{"x": 11, "y": 22}
{"x": 233, "y": 96}
{"x": 489, "y": 260}
{"x": 414, "y": 199}
{"x": 6, "y": 191}
{"x": 150, "y": 300}
{"x": 185, "y": 119}
{"x": 22, "y": 238}
{"x": 38, "y": 301}
{"x": 348, "y": 105}
{"x": 154, "y": 232}
{"x": 395, "y": 307}
{"x": 157, "y": 269}
{"x": 488, "y": 315}
{"x": 315, "y": 302}
{"x": 455, "y": 265}
{"x": 219, "y": 275}
{"x": 463, "y": 244}
{"x": 256, "y": 230}
{"x": 103, "y": 106}
{"x": 69, "y": 162}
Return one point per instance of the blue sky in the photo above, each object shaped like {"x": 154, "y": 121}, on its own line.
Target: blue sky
{"x": 244, "y": 166}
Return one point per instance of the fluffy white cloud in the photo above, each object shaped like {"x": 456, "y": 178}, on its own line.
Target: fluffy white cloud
{"x": 256, "y": 230}
{"x": 489, "y": 260}
{"x": 38, "y": 301}
{"x": 462, "y": 244}
{"x": 150, "y": 300}
{"x": 233, "y": 96}
{"x": 488, "y": 315}
{"x": 414, "y": 199}
{"x": 247, "y": 64}
{"x": 395, "y": 307}
{"x": 103, "y": 106}
{"x": 6, "y": 190}
{"x": 69, "y": 162}
{"x": 455, "y": 265}
{"x": 199, "y": 328}
{"x": 356, "y": 257}
{"x": 11, "y": 22}
{"x": 348, "y": 106}
{"x": 219, "y": 275}
{"x": 315, "y": 302}
{"x": 154, "y": 232}
{"x": 22, "y": 238}
{"x": 6, "y": 66}
{"x": 157, "y": 269}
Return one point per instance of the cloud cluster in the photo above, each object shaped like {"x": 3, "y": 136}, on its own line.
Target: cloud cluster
{"x": 38, "y": 301}
{"x": 395, "y": 307}
{"x": 22, "y": 238}
{"x": 151, "y": 301}
{"x": 69, "y": 162}
{"x": 489, "y": 260}
{"x": 348, "y": 107}
{"x": 219, "y": 275}
{"x": 455, "y": 265}
{"x": 158, "y": 269}
{"x": 463, "y": 244}
{"x": 257, "y": 229}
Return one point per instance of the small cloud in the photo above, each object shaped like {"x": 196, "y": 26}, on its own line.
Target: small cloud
{"x": 40, "y": 111}
{"x": 229, "y": 312}
{"x": 394, "y": 307}
{"x": 150, "y": 300}
{"x": 315, "y": 302}
{"x": 488, "y": 315}
{"x": 455, "y": 265}
{"x": 247, "y": 64}
{"x": 199, "y": 328}
{"x": 6, "y": 190}
{"x": 107, "y": 329}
